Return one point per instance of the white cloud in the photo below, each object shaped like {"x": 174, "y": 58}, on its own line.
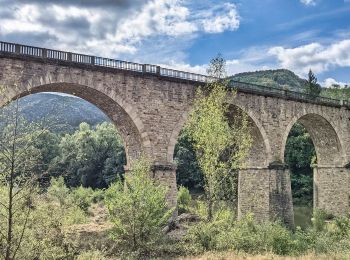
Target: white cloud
{"x": 114, "y": 31}
{"x": 329, "y": 82}
{"x": 226, "y": 19}
{"x": 315, "y": 56}
{"x": 233, "y": 66}
{"x": 308, "y": 2}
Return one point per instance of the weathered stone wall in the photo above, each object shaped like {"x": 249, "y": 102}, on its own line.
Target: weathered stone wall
{"x": 331, "y": 189}
{"x": 266, "y": 193}
{"x": 150, "y": 111}
{"x": 166, "y": 174}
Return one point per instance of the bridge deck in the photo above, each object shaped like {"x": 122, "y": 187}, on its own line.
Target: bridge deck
{"x": 82, "y": 59}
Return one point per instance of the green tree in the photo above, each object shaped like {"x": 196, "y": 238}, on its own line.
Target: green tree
{"x": 18, "y": 176}
{"x": 220, "y": 146}
{"x": 188, "y": 172}
{"x": 299, "y": 154}
{"x": 337, "y": 92}
{"x": 88, "y": 157}
{"x": 138, "y": 208}
{"x": 312, "y": 87}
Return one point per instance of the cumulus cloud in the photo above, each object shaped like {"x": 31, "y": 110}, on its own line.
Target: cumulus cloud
{"x": 110, "y": 27}
{"x": 221, "y": 19}
{"x": 308, "y": 2}
{"x": 329, "y": 82}
{"x": 249, "y": 60}
{"x": 315, "y": 56}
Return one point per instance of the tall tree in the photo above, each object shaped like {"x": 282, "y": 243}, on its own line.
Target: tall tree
{"x": 220, "y": 148}
{"x": 90, "y": 157}
{"x": 19, "y": 159}
{"x": 312, "y": 87}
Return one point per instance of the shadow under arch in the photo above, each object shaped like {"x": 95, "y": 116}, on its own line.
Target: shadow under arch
{"x": 136, "y": 140}
{"x": 260, "y": 152}
{"x": 328, "y": 146}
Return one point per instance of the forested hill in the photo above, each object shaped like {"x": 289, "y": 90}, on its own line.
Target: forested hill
{"x": 280, "y": 78}
{"x": 64, "y": 112}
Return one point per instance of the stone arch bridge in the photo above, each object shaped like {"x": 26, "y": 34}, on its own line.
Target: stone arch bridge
{"x": 149, "y": 106}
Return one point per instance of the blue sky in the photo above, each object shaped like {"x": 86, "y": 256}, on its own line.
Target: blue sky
{"x": 186, "y": 34}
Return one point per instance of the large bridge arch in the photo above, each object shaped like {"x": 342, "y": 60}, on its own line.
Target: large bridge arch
{"x": 260, "y": 153}
{"x": 124, "y": 117}
{"x": 330, "y": 177}
{"x": 325, "y": 136}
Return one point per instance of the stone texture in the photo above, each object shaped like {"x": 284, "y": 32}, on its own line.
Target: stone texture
{"x": 331, "y": 189}
{"x": 150, "y": 110}
{"x": 267, "y": 194}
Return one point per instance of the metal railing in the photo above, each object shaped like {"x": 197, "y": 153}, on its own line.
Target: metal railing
{"x": 287, "y": 94}
{"x": 97, "y": 61}
{"x": 19, "y": 49}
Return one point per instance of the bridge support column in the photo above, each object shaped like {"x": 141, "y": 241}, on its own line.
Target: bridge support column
{"x": 166, "y": 175}
{"x": 266, "y": 192}
{"x": 332, "y": 189}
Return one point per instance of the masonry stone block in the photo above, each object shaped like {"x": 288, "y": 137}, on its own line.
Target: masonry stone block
{"x": 332, "y": 189}
{"x": 266, "y": 193}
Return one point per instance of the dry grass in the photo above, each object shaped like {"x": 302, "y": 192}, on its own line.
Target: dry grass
{"x": 234, "y": 256}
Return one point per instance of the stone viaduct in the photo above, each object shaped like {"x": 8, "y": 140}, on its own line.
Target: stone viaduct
{"x": 149, "y": 106}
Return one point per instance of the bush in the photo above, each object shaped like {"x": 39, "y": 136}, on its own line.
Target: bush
{"x": 319, "y": 218}
{"x": 138, "y": 209}
{"x": 98, "y": 195}
{"x": 208, "y": 235}
{"x": 225, "y": 233}
{"x": 91, "y": 255}
{"x": 82, "y": 197}
{"x": 183, "y": 200}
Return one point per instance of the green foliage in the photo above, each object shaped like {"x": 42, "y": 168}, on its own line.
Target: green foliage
{"x": 138, "y": 209}
{"x": 224, "y": 233}
{"x": 312, "y": 87}
{"x": 83, "y": 197}
{"x": 91, "y": 158}
{"x": 91, "y": 255}
{"x": 337, "y": 92}
{"x": 280, "y": 78}
{"x": 183, "y": 200}
{"x": 319, "y": 219}
{"x": 299, "y": 155}
{"x": 188, "y": 172}
{"x": 51, "y": 213}
{"x": 220, "y": 148}
{"x": 206, "y": 234}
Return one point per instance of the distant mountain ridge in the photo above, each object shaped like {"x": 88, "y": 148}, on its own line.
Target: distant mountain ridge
{"x": 63, "y": 111}
{"x": 280, "y": 78}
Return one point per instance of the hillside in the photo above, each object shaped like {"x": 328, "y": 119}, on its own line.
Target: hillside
{"x": 64, "y": 112}
{"x": 280, "y": 78}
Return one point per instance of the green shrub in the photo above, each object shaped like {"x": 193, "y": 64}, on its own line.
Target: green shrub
{"x": 91, "y": 255}
{"x": 183, "y": 200}
{"x": 246, "y": 235}
{"x": 138, "y": 209}
{"x": 58, "y": 190}
{"x": 207, "y": 235}
{"x": 82, "y": 197}
{"x": 342, "y": 227}
{"x": 319, "y": 218}
{"x": 98, "y": 195}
